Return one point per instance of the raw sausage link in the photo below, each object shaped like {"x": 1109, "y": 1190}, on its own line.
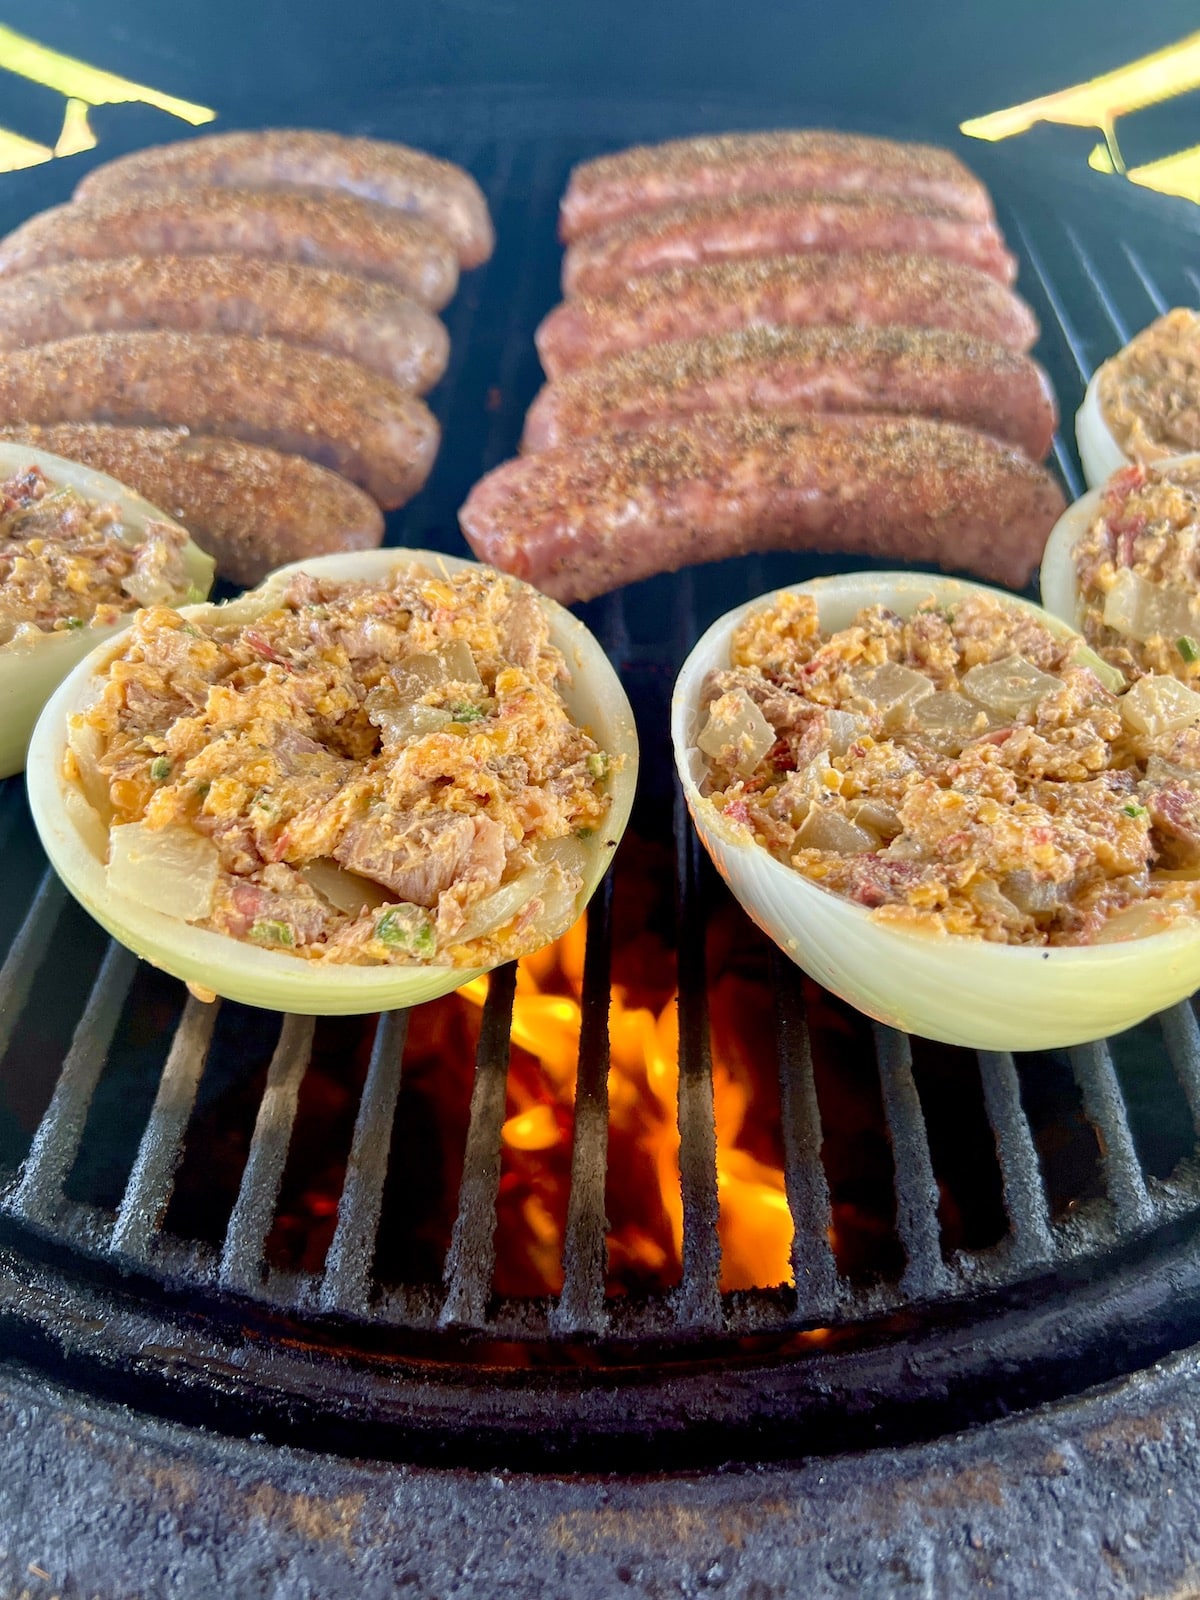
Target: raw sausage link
{"x": 648, "y": 177}
{"x": 866, "y": 289}
{"x": 777, "y": 224}
{"x": 318, "y": 230}
{"x": 299, "y": 401}
{"x": 251, "y": 508}
{"x": 579, "y": 521}
{"x": 373, "y": 169}
{"x": 914, "y": 371}
{"x": 361, "y": 318}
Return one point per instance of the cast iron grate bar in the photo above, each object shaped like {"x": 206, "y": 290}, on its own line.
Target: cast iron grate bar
{"x": 56, "y": 1142}
{"x": 253, "y": 1210}
{"x": 471, "y": 1257}
{"x": 814, "y": 1269}
{"x": 148, "y": 1191}
{"x": 1101, "y": 290}
{"x": 1182, "y": 1038}
{"x": 580, "y": 1306}
{"x": 697, "y": 1299}
{"x": 26, "y": 954}
{"x": 346, "y": 1285}
{"x": 1029, "y": 1241}
{"x": 1104, "y": 1107}
{"x": 916, "y": 1188}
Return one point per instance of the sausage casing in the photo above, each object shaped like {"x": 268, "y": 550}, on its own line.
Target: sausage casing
{"x": 301, "y": 402}
{"x": 581, "y": 520}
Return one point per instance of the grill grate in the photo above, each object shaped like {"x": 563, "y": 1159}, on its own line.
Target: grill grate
{"x": 1068, "y": 262}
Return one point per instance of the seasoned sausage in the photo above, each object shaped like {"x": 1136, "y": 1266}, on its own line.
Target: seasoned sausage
{"x": 866, "y": 289}
{"x": 299, "y": 401}
{"x": 373, "y": 169}
{"x": 649, "y": 177}
{"x": 364, "y": 319}
{"x": 251, "y": 508}
{"x": 777, "y": 224}
{"x": 318, "y": 230}
{"x": 584, "y": 519}
{"x": 915, "y": 371}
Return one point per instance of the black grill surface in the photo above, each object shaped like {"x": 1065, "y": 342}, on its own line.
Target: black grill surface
{"x": 103, "y": 1066}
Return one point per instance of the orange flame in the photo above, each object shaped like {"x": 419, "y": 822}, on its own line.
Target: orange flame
{"x": 645, "y": 1205}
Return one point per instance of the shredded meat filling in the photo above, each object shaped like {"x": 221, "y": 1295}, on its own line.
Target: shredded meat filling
{"x": 962, "y": 771}
{"x": 385, "y": 773}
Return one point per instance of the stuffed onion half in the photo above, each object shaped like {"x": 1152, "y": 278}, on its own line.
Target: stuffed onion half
{"x": 78, "y": 554}
{"x": 946, "y": 808}
{"x": 352, "y": 789}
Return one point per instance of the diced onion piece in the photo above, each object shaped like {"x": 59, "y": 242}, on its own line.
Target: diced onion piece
{"x": 459, "y": 663}
{"x": 875, "y": 815}
{"x": 403, "y": 724}
{"x": 502, "y": 905}
{"x": 1011, "y": 688}
{"x": 417, "y": 674}
{"x": 568, "y": 853}
{"x": 558, "y": 896}
{"x": 826, "y": 829}
{"x": 1159, "y": 704}
{"x": 1135, "y": 922}
{"x": 1140, "y": 609}
{"x": 172, "y": 869}
{"x": 950, "y": 716}
{"x": 894, "y": 690}
{"x": 345, "y": 891}
{"x": 1033, "y": 895}
{"x": 844, "y": 728}
{"x": 736, "y": 732}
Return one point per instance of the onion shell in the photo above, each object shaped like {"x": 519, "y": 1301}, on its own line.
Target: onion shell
{"x": 959, "y": 990}
{"x": 31, "y": 668}
{"x": 1099, "y": 453}
{"x": 264, "y": 977}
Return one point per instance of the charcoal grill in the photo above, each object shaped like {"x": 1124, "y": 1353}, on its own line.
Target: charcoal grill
{"x": 430, "y": 1433}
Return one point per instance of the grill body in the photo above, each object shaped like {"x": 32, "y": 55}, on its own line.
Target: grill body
{"x": 1095, "y": 1273}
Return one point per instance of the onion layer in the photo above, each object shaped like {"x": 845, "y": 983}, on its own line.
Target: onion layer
{"x": 1099, "y": 453}
{"x": 959, "y": 990}
{"x": 271, "y": 978}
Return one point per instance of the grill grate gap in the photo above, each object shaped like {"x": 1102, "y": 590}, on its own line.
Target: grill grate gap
{"x": 1154, "y": 1100}
{"x": 962, "y": 1148}
{"x": 1067, "y": 1147}
{"x": 217, "y": 1140}
{"x": 126, "y": 1091}
{"x": 40, "y": 1189}
{"x": 306, "y": 1213}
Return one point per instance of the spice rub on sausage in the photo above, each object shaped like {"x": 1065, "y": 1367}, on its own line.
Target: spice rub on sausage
{"x": 581, "y": 520}
{"x": 856, "y": 289}
{"x": 777, "y": 224}
{"x": 364, "y": 319}
{"x": 648, "y": 177}
{"x": 913, "y": 371}
{"x": 372, "y": 169}
{"x": 322, "y": 230}
{"x": 302, "y": 402}
{"x": 252, "y": 509}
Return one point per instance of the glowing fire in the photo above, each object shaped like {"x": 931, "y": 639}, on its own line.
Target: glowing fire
{"x": 644, "y": 1202}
